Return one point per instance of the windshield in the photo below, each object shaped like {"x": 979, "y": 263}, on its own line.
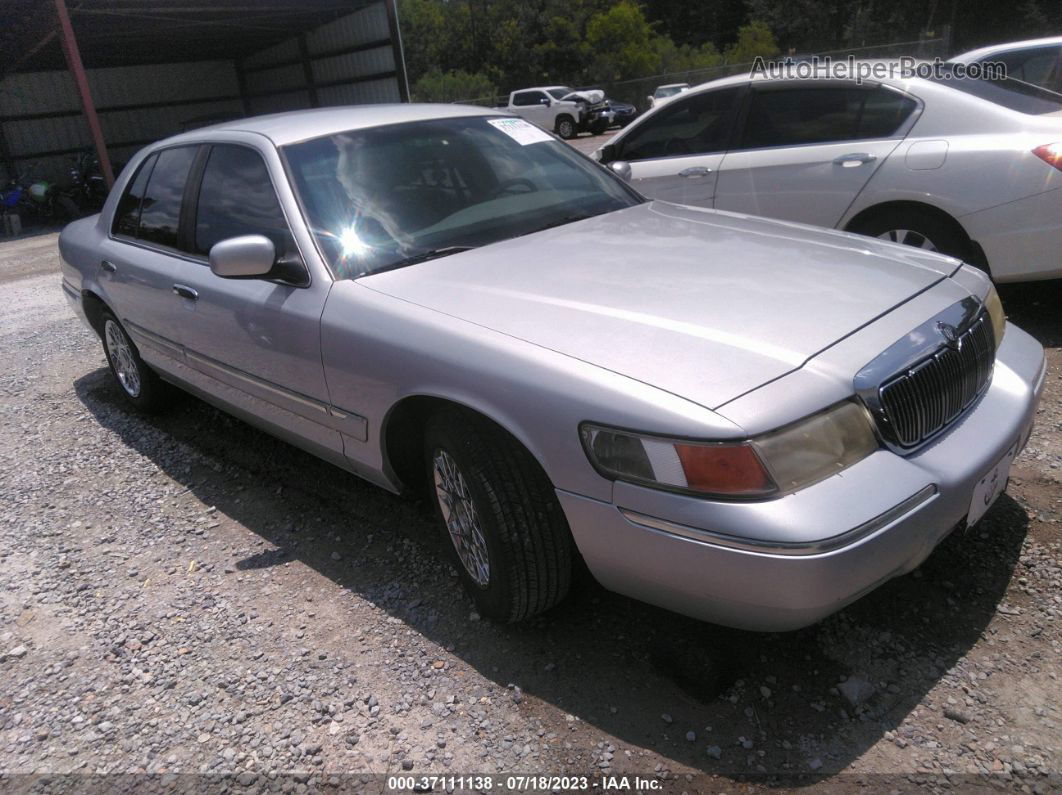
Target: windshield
{"x": 389, "y": 196}
{"x": 559, "y": 93}
{"x": 1008, "y": 92}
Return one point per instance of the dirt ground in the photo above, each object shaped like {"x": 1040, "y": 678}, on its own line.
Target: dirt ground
{"x": 183, "y": 594}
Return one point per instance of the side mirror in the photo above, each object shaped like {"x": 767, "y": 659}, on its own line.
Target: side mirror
{"x": 622, "y": 169}
{"x": 545, "y": 101}
{"x": 243, "y": 257}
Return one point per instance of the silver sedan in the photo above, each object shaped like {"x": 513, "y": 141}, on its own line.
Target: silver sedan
{"x": 748, "y": 421}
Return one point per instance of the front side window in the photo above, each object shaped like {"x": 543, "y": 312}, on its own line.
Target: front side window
{"x": 390, "y": 196}
{"x": 236, "y": 198}
{"x": 127, "y": 215}
{"x": 814, "y": 115}
{"x": 160, "y": 209}
{"x": 692, "y": 125}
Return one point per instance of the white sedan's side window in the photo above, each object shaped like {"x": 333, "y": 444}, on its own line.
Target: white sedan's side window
{"x": 699, "y": 124}
{"x": 818, "y": 115}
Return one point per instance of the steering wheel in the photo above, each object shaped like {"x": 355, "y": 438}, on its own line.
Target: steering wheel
{"x": 517, "y": 182}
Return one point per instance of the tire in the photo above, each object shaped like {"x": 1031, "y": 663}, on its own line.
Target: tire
{"x": 519, "y": 563}
{"x": 915, "y": 228}
{"x": 566, "y": 127}
{"x": 598, "y": 127}
{"x": 137, "y": 382}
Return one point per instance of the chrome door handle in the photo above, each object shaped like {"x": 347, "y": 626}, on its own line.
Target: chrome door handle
{"x": 854, "y": 159}
{"x": 109, "y": 266}
{"x": 185, "y": 292}
{"x": 695, "y": 171}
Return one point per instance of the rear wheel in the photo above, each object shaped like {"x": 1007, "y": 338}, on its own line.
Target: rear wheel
{"x": 566, "y": 127}
{"x": 138, "y": 382}
{"x": 503, "y": 527}
{"x": 915, "y": 228}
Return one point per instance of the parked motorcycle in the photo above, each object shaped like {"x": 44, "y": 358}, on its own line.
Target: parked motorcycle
{"x": 87, "y": 187}
{"x": 38, "y": 200}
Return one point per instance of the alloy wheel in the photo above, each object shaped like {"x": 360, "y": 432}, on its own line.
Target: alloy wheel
{"x": 908, "y": 237}
{"x": 122, "y": 359}
{"x": 462, "y": 520}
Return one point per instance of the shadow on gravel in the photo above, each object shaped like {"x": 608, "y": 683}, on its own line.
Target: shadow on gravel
{"x": 756, "y": 703}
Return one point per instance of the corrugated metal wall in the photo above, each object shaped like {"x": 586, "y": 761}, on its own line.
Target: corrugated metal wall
{"x": 350, "y": 61}
{"x": 43, "y": 126}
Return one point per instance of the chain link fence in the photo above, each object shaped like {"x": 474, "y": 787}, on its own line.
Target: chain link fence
{"x": 637, "y": 91}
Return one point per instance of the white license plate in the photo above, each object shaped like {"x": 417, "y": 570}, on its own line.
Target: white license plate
{"x": 990, "y": 487}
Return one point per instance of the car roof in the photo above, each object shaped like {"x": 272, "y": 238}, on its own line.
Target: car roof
{"x": 996, "y": 49}
{"x": 300, "y": 125}
{"x": 838, "y": 70}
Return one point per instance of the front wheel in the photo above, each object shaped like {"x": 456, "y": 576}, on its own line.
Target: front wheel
{"x": 566, "y": 127}
{"x": 138, "y": 382}
{"x": 504, "y": 528}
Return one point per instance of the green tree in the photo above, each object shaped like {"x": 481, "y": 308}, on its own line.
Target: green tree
{"x": 623, "y": 43}
{"x": 754, "y": 39}
{"x": 454, "y": 86}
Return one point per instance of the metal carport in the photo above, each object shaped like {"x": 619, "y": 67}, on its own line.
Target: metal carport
{"x": 119, "y": 74}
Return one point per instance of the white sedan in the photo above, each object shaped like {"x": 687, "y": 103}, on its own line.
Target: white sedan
{"x": 1036, "y": 61}
{"x": 970, "y": 168}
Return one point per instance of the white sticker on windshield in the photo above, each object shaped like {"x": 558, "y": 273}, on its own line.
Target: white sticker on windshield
{"x": 522, "y": 132}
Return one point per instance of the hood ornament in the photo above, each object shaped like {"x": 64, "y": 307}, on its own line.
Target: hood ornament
{"x": 950, "y": 334}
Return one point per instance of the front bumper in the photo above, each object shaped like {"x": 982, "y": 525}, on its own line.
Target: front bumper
{"x": 786, "y": 563}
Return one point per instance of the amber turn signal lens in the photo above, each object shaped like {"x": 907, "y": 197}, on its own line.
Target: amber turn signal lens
{"x": 724, "y": 469}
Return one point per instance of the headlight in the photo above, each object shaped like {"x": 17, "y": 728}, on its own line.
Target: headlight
{"x": 769, "y": 465}
{"x": 994, "y": 307}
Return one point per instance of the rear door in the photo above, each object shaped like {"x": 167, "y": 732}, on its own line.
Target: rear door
{"x": 141, "y": 261}
{"x": 675, "y": 154}
{"x": 804, "y": 151}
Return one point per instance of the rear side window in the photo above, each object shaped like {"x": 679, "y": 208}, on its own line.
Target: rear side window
{"x": 127, "y": 216}
{"x": 1036, "y": 65}
{"x": 1008, "y": 93}
{"x": 160, "y": 209}
{"x": 799, "y": 116}
{"x": 237, "y": 198}
{"x": 693, "y": 125}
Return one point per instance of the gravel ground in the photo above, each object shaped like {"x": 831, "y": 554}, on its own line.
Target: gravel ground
{"x": 184, "y": 594}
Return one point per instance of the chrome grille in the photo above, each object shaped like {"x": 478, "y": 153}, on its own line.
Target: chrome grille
{"x": 921, "y": 401}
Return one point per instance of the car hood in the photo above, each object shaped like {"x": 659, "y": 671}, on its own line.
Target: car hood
{"x": 706, "y": 305}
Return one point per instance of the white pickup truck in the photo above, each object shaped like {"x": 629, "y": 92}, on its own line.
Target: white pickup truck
{"x": 561, "y": 110}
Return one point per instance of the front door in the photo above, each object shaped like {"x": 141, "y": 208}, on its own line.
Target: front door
{"x": 256, "y": 342}
{"x": 675, "y": 155}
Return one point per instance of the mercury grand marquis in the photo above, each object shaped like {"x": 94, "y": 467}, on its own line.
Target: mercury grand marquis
{"x": 748, "y": 421}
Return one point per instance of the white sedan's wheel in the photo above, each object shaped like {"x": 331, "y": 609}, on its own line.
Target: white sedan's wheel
{"x": 908, "y": 237}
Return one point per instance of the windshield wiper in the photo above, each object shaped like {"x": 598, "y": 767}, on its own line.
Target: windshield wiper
{"x": 423, "y": 256}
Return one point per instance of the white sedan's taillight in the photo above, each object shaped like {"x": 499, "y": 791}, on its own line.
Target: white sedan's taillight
{"x": 1050, "y": 154}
